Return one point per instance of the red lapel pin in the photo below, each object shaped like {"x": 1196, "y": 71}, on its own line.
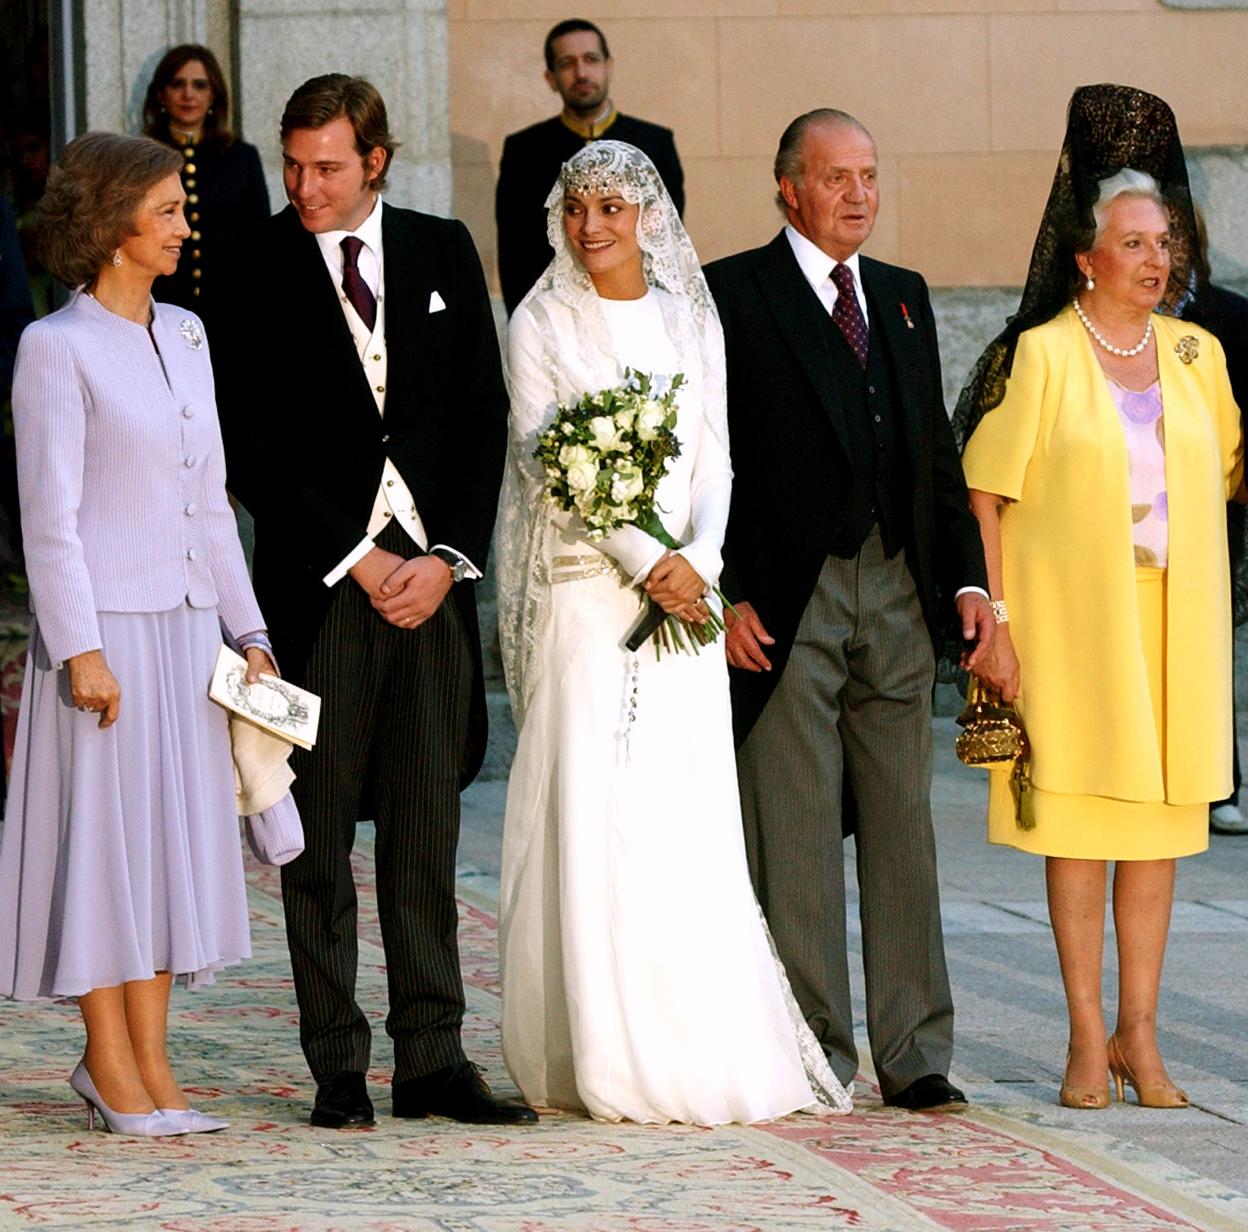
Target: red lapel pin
{"x": 905, "y": 313}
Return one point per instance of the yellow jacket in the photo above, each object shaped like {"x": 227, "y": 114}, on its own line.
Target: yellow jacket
{"x": 1056, "y": 450}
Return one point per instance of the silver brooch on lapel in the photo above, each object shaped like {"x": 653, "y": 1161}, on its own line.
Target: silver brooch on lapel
{"x": 1187, "y": 348}
{"x": 191, "y": 333}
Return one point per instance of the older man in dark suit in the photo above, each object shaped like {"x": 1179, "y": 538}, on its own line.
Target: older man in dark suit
{"x": 364, "y": 413}
{"x": 849, "y": 538}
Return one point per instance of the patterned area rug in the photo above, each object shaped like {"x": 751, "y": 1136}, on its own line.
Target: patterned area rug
{"x": 236, "y": 1046}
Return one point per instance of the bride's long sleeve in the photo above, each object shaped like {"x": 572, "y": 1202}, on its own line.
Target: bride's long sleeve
{"x": 709, "y": 497}
{"x": 533, "y": 401}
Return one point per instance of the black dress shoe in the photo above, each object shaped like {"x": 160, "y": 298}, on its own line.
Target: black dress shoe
{"x": 931, "y": 1093}
{"x": 342, "y": 1100}
{"x": 460, "y": 1093}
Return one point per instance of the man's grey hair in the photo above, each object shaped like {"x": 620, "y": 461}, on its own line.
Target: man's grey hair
{"x": 1125, "y": 183}
{"x": 789, "y": 161}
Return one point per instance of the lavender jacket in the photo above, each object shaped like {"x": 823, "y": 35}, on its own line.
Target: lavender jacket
{"x": 121, "y": 474}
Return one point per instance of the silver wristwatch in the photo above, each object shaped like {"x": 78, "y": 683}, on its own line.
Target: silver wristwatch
{"x": 456, "y": 563}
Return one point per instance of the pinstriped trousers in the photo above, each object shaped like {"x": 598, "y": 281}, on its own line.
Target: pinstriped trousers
{"x": 393, "y": 721}
{"x": 853, "y": 709}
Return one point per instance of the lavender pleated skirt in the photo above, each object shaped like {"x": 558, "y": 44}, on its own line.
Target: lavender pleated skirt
{"x": 120, "y": 855}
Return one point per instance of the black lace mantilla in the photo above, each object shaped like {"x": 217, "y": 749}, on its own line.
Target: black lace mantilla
{"x": 1108, "y": 128}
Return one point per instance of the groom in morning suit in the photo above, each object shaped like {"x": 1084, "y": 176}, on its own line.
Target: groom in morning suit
{"x": 364, "y": 414}
{"x": 849, "y": 539}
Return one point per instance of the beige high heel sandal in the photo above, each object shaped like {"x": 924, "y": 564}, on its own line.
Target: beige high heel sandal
{"x": 1147, "y": 1095}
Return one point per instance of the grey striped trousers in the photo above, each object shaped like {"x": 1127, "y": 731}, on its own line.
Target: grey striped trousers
{"x": 852, "y": 710}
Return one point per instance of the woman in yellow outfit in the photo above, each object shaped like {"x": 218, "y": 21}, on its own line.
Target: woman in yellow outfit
{"x": 1099, "y": 482}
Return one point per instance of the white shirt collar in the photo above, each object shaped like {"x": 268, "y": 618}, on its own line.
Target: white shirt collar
{"x": 815, "y": 264}
{"x": 369, "y": 231}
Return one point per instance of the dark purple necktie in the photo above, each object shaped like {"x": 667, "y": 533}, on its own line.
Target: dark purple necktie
{"x": 847, "y": 312}
{"x": 353, "y": 284}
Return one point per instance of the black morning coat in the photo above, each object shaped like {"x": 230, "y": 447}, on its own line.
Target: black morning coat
{"x": 304, "y": 443}
{"x": 790, "y": 448}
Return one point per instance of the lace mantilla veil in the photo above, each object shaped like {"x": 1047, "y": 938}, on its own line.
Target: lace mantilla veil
{"x": 1108, "y": 127}
{"x": 565, "y": 293}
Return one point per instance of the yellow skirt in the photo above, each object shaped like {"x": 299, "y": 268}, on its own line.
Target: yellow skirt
{"x": 1101, "y": 827}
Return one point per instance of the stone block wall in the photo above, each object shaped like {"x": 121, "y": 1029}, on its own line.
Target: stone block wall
{"x": 966, "y": 99}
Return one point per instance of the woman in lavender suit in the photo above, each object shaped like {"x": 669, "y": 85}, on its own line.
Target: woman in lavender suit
{"x": 120, "y": 869}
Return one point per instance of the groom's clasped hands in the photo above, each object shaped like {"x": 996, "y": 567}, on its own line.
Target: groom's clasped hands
{"x": 404, "y": 592}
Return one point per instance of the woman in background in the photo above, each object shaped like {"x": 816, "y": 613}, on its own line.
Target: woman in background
{"x": 188, "y": 107}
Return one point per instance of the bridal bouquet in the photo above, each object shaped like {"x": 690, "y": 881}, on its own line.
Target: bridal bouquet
{"x": 604, "y": 457}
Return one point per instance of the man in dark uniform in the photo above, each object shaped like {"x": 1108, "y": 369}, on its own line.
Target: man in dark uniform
{"x": 578, "y": 69}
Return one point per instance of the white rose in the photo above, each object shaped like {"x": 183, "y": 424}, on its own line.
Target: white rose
{"x": 566, "y": 428}
{"x": 650, "y": 419}
{"x": 626, "y": 485}
{"x": 625, "y": 418}
{"x": 582, "y": 475}
{"x": 604, "y": 432}
{"x": 569, "y": 455}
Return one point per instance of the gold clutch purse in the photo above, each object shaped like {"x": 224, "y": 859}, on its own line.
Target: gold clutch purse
{"x": 993, "y": 738}
{"x": 992, "y": 734}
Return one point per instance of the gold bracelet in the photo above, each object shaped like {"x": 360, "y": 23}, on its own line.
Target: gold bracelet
{"x": 1000, "y": 611}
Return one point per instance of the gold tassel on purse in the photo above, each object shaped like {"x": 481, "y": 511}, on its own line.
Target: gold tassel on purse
{"x": 993, "y": 738}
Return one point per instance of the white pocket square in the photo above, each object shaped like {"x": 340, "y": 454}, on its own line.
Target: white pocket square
{"x": 436, "y": 303}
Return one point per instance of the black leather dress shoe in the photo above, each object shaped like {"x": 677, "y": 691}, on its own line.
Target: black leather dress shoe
{"x": 342, "y": 1100}
{"x": 931, "y": 1093}
{"x": 460, "y": 1093}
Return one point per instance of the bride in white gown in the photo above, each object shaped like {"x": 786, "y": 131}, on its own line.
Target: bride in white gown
{"x": 639, "y": 981}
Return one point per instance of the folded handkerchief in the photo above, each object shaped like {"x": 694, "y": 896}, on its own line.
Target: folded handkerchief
{"x": 436, "y": 303}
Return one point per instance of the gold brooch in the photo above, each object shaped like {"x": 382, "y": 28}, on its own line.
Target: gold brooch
{"x": 1187, "y": 348}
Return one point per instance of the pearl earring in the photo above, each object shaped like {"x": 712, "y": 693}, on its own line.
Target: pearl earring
{"x": 1091, "y": 283}
{"x": 117, "y": 257}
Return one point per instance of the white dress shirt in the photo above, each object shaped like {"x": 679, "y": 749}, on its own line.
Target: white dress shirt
{"x": 816, "y": 267}
{"x": 394, "y": 500}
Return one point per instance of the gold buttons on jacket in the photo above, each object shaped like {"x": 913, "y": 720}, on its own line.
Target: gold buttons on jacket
{"x": 190, "y": 168}
{"x": 195, "y": 253}
{"x": 190, "y": 183}
{"x": 195, "y": 273}
{"x": 194, "y": 218}
{"x": 193, "y": 198}
{"x": 196, "y": 236}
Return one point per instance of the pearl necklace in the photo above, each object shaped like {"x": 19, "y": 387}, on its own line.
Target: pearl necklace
{"x": 1125, "y": 352}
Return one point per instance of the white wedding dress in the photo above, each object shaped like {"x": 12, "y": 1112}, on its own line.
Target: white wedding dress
{"x": 639, "y": 981}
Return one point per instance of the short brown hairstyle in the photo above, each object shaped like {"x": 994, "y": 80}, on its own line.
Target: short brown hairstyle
{"x": 216, "y": 122}
{"x": 92, "y": 198}
{"x": 322, "y": 99}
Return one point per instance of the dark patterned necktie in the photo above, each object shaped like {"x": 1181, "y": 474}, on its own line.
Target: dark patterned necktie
{"x": 353, "y": 284}
{"x": 847, "y": 312}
